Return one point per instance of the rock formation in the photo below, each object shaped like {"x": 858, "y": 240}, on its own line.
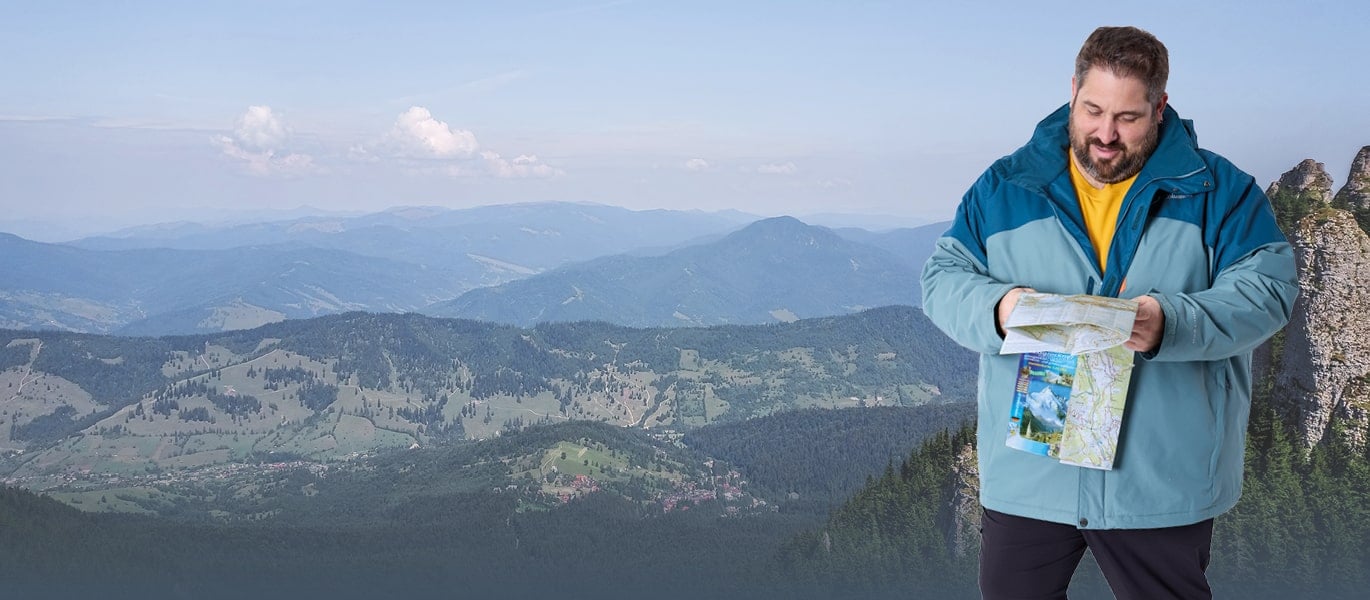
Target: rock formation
{"x": 1308, "y": 178}
{"x": 1304, "y": 189}
{"x": 1355, "y": 195}
{"x": 964, "y": 536}
{"x": 1323, "y": 371}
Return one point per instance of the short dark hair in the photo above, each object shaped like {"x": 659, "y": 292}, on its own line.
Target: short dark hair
{"x": 1127, "y": 52}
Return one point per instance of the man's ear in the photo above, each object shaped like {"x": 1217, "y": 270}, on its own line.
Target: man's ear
{"x": 1160, "y": 107}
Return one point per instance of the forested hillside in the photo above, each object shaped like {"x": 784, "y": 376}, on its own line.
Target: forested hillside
{"x": 99, "y": 406}
{"x": 817, "y": 459}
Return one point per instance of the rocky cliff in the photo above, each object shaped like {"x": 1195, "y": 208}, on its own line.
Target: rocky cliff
{"x": 1355, "y": 195}
{"x": 1305, "y": 188}
{"x": 1323, "y": 371}
{"x": 964, "y": 533}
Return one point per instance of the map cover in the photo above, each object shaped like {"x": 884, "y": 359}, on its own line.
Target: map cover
{"x": 1038, "y": 416}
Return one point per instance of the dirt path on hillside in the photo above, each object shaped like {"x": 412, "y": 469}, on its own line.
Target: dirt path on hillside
{"x": 28, "y": 370}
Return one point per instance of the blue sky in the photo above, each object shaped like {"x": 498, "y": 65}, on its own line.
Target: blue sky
{"x": 121, "y": 113}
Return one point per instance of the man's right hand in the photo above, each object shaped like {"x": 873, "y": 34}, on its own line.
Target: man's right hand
{"x": 1006, "y": 305}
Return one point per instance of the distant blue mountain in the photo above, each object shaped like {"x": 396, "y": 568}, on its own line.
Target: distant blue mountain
{"x": 773, "y": 270}
{"x": 662, "y": 268}
{"x": 162, "y": 291}
{"x": 913, "y": 246}
{"x": 191, "y": 277}
{"x": 485, "y": 245}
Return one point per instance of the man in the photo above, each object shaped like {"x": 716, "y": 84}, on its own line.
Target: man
{"x": 1113, "y": 197}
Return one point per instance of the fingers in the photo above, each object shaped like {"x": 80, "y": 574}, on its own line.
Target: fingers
{"x": 1009, "y": 302}
{"x": 1006, "y": 305}
{"x": 1147, "y": 327}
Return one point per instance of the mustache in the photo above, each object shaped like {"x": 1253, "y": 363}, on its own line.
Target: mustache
{"x": 1117, "y": 145}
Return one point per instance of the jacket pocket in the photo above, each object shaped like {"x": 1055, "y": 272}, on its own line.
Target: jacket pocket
{"x": 1219, "y": 394}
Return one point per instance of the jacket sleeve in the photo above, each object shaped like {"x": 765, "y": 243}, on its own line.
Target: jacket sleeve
{"x": 1251, "y": 296}
{"x": 958, "y": 294}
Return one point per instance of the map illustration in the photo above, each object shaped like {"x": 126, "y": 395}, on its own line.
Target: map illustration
{"x": 1073, "y": 376}
{"x": 1095, "y": 414}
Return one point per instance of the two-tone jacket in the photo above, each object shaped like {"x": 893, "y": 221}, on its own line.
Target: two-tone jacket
{"x": 1195, "y": 233}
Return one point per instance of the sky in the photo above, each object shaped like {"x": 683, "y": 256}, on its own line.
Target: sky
{"x": 115, "y": 114}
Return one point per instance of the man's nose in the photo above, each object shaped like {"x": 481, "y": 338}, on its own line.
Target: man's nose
{"x": 1108, "y": 132}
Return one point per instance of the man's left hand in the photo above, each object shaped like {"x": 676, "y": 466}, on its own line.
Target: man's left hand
{"x": 1148, "y": 327}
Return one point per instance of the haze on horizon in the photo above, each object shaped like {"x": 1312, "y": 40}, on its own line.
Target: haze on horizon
{"x": 114, "y": 115}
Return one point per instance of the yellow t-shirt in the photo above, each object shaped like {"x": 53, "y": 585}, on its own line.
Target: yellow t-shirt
{"x": 1100, "y": 208}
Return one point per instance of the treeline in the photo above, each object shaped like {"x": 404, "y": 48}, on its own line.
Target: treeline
{"x": 897, "y": 537}
{"x": 815, "y": 459}
{"x": 462, "y": 545}
{"x": 45, "y": 428}
{"x": 1301, "y": 526}
{"x": 114, "y": 370}
{"x": 394, "y": 484}
{"x": 397, "y": 478}
{"x": 882, "y": 348}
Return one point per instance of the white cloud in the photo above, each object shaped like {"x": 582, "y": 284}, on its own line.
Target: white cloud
{"x": 267, "y": 163}
{"x": 422, "y": 145}
{"x": 417, "y": 134}
{"x": 259, "y": 129}
{"x": 522, "y": 167}
{"x": 417, "y": 144}
{"x": 697, "y": 164}
{"x": 787, "y": 168}
{"x": 360, "y": 153}
{"x": 258, "y": 142}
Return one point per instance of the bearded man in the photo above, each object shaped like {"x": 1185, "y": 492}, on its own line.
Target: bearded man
{"x": 1113, "y": 197}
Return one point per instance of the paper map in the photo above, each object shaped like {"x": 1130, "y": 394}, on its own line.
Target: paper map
{"x": 1073, "y": 375}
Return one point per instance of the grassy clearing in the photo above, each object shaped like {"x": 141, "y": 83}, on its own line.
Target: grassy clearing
{"x": 494, "y": 412}
{"x": 126, "y": 500}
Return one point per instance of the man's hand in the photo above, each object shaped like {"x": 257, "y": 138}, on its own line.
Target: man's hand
{"x": 1147, "y": 329}
{"x": 1006, "y": 305}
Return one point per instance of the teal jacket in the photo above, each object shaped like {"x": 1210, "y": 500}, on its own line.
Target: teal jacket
{"x": 1194, "y": 232}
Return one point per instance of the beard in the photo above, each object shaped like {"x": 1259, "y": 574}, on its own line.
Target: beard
{"x": 1127, "y": 163}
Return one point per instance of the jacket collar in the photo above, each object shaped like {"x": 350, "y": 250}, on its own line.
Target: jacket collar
{"x": 1176, "y": 164}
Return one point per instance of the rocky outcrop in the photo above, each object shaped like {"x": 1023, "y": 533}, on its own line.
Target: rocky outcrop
{"x": 1308, "y": 178}
{"x": 1304, "y": 189}
{"x": 1355, "y": 195}
{"x": 964, "y": 536}
{"x": 1323, "y": 370}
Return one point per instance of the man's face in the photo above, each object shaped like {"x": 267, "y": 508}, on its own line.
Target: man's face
{"x": 1113, "y": 129}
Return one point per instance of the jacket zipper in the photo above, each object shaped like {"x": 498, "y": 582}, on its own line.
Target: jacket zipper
{"x": 1112, "y": 283}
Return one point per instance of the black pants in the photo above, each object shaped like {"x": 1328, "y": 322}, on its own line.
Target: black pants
{"x": 1027, "y": 559}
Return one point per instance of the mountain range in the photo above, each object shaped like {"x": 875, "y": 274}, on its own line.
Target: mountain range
{"x": 777, "y": 269}
{"x": 192, "y": 278}
{"x": 158, "y": 291}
